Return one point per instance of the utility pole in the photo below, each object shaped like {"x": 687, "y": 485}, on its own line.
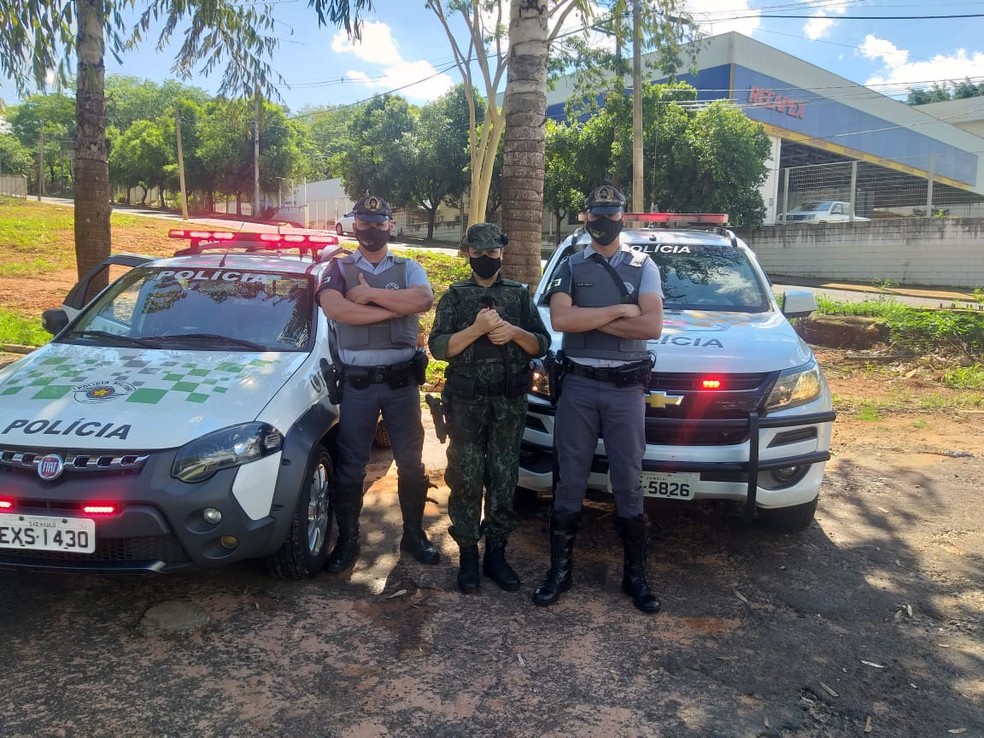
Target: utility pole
{"x": 638, "y": 188}
{"x": 41, "y": 163}
{"x": 181, "y": 165}
{"x": 256, "y": 158}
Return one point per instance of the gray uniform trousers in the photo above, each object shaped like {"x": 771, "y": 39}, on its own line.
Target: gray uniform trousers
{"x": 358, "y": 416}
{"x": 586, "y": 409}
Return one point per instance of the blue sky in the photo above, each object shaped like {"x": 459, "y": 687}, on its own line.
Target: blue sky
{"x": 404, "y": 47}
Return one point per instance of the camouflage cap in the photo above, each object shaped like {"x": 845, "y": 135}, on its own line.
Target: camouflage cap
{"x": 372, "y": 208}
{"x": 604, "y": 200}
{"x": 485, "y": 237}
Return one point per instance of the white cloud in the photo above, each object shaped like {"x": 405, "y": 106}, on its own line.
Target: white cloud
{"x": 417, "y": 80}
{"x": 377, "y": 45}
{"x": 820, "y": 25}
{"x": 898, "y": 70}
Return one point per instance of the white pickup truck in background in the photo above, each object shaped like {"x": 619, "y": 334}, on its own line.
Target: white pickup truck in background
{"x": 821, "y": 211}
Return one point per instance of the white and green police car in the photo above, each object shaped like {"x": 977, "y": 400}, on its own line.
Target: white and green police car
{"x": 178, "y": 418}
{"x": 738, "y": 409}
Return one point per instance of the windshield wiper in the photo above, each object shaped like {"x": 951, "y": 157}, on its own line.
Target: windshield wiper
{"x": 115, "y": 338}
{"x": 210, "y": 338}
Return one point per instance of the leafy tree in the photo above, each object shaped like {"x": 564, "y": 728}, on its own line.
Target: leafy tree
{"x": 380, "y": 132}
{"x": 920, "y": 96}
{"x": 966, "y": 89}
{"x": 129, "y": 99}
{"x": 328, "y": 132}
{"x": 439, "y": 160}
{"x": 564, "y": 183}
{"x": 15, "y": 157}
{"x": 54, "y": 115}
{"x": 139, "y": 157}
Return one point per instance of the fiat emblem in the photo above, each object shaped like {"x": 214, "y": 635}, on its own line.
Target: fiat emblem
{"x": 50, "y": 466}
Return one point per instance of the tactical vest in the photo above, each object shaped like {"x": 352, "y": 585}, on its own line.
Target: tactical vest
{"x": 592, "y": 286}
{"x": 399, "y": 332}
{"x": 483, "y": 360}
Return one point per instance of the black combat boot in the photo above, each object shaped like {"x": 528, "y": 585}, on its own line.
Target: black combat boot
{"x": 495, "y": 567}
{"x": 347, "y": 503}
{"x": 563, "y": 529}
{"x": 634, "y": 584}
{"x": 468, "y": 579}
{"x": 413, "y": 496}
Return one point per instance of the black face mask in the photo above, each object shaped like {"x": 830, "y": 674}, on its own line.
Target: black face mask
{"x": 485, "y": 267}
{"x": 372, "y": 239}
{"x": 604, "y": 231}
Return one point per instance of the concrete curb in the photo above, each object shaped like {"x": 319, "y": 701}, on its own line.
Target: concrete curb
{"x": 13, "y": 348}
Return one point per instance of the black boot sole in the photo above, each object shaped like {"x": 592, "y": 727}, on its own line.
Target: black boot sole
{"x": 547, "y": 602}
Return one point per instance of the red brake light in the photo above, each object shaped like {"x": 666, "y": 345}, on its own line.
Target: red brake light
{"x": 99, "y": 509}
{"x": 6, "y": 504}
{"x": 710, "y": 383}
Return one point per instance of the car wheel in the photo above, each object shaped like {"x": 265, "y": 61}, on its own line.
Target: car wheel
{"x": 305, "y": 548}
{"x": 789, "y": 519}
{"x": 382, "y": 438}
{"x": 339, "y": 230}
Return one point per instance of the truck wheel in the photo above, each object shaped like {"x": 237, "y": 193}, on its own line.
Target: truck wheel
{"x": 381, "y": 439}
{"x": 789, "y": 519}
{"x": 305, "y": 548}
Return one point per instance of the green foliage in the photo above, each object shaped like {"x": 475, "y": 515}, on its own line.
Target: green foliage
{"x": 965, "y": 377}
{"x": 941, "y": 92}
{"x": 15, "y": 157}
{"x": 20, "y": 330}
{"x": 919, "y": 329}
{"x": 869, "y": 412}
{"x": 706, "y": 160}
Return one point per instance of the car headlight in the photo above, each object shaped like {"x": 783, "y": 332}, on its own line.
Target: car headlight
{"x": 541, "y": 382}
{"x": 796, "y": 387}
{"x": 226, "y": 448}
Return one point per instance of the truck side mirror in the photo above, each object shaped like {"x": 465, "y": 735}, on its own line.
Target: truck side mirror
{"x": 54, "y": 320}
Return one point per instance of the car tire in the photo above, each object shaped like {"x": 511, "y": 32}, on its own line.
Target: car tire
{"x": 339, "y": 230}
{"x": 382, "y": 438}
{"x": 789, "y": 519}
{"x": 305, "y": 547}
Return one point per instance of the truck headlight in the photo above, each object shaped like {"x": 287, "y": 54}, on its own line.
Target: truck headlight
{"x": 796, "y": 387}
{"x": 541, "y": 382}
{"x": 229, "y": 447}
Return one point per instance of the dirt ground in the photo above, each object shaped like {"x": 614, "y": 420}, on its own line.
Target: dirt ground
{"x": 868, "y": 623}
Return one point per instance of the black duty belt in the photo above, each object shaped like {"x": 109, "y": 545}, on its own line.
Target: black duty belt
{"x": 395, "y": 375}
{"x": 620, "y": 376}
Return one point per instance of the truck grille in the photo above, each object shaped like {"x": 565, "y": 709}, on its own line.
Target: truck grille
{"x": 100, "y": 462}
{"x": 703, "y": 417}
{"x": 108, "y": 550}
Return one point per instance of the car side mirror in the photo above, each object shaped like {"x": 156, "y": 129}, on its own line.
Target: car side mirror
{"x": 54, "y": 320}
{"x": 798, "y": 303}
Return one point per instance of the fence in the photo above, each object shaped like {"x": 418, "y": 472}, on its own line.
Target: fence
{"x": 874, "y": 192}
{"x": 13, "y": 185}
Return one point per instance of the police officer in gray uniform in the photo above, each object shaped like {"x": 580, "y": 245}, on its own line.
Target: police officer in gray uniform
{"x": 375, "y": 299}
{"x": 607, "y": 301}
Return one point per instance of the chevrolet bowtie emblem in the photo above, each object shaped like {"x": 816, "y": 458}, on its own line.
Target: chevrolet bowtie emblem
{"x": 660, "y": 399}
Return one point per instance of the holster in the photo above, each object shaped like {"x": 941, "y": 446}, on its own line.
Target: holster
{"x": 334, "y": 380}
{"x": 440, "y": 408}
{"x": 555, "y": 366}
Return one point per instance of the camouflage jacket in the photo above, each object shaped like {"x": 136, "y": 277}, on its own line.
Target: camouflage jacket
{"x": 483, "y": 360}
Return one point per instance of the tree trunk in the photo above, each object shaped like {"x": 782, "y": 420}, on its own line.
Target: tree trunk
{"x": 525, "y": 107}
{"x": 92, "y": 203}
{"x": 431, "y": 215}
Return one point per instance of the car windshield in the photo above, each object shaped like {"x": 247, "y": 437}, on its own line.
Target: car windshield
{"x": 224, "y": 309}
{"x": 715, "y": 277}
{"x": 810, "y": 207}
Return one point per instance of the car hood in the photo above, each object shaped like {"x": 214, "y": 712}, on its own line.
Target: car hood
{"x": 82, "y": 397}
{"x": 732, "y": 343}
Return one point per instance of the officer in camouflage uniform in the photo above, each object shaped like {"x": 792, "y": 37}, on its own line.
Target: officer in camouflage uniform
{"x": 488, "y": 330}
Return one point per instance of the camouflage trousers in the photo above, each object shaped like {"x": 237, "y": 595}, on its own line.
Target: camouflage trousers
{"x": 483, "y": 453}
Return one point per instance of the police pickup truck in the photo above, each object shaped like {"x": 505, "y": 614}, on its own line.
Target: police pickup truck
{"x": 180, "y": 417}
{"x": 737, "y": 407}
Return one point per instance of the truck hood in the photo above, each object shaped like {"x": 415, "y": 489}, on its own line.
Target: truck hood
{"x": 731, "y": 343}
{"x": 69, "y": 396}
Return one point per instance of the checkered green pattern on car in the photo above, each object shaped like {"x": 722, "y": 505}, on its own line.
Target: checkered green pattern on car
{"x": 57, "y": 376}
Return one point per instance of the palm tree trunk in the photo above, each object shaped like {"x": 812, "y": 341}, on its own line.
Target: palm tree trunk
{"x": 92, "y": 206}
{"x": 524, "y": 108}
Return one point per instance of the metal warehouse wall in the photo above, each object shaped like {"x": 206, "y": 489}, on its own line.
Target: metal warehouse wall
{"x": 940, "y": 252}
